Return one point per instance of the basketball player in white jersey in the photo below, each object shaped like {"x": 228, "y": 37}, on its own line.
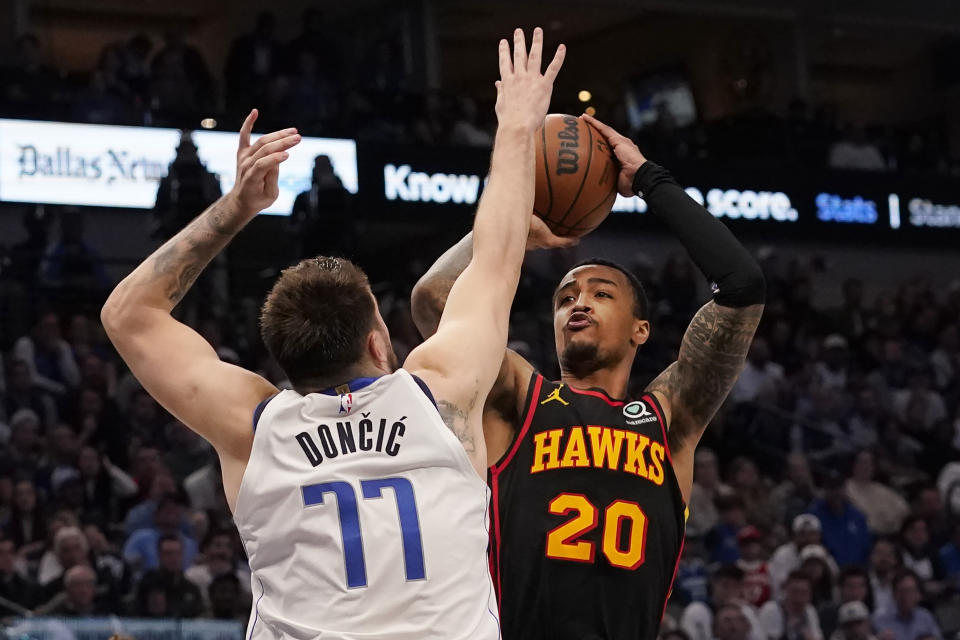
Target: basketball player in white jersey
{"x": 359, "y": 494}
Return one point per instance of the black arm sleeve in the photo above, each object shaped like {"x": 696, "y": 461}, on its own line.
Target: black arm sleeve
{"x": 738, "y": 280}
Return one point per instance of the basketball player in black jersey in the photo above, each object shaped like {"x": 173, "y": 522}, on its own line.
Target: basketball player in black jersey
{"x": 589, "y": 487}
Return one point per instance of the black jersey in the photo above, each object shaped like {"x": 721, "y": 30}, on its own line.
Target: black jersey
{"x": 587, "y": 518}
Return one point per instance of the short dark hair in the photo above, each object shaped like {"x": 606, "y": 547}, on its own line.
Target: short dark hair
{"x": 641, "y": 305}
{"x": 729, "y": 571}
{"x": 316, "y": 318}
{"x": 904, "y": 574}
{"x": 853, "y": 571}
{"x": 798, "y": 575}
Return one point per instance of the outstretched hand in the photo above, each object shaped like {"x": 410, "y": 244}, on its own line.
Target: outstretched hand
{"x": 542, "y": 238}
{"x": 627, "y": 153}
{"x": 258, "y": 166}
{"x": 523, "y": 93}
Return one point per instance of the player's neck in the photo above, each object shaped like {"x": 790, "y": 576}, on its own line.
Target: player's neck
{"x": 613, "y": 380}
{"x": 320, "y": 385}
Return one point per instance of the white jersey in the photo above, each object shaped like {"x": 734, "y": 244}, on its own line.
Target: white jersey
{"x": 363, "y": 519}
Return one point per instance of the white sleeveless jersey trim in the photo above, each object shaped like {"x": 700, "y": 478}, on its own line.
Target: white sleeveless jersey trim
{"x": 364, "y": 519}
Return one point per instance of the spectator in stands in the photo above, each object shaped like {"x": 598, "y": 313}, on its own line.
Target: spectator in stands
{"x": 183, "y": 598}
{"x": 31, "y": 87}
{"x": 70, "y": 548}
{"x": 908, "y": 621}
{"x": 691, "y": 583}
{"x": 927, "y": 503}
{"x": 225, "y": 599}
{"x": 831, "y": 369}
{"x": 817, "y": 564}
{"x": 950, "y": 559}
{"x": 107, "y": 561}
{"x": 919, "y": 555}
{"x": 918, "y": 406}
{"x": 14, "y": 588}
{"x": 760, "y": 377}
{"x": 135, "y": 67}
{"x": 855, "y": 152}
{"x": 181, "y": 85}
{"x": 104, "y": 487}
{"x": 321, "y": 216}
{"x": 885, "y": 508}
{"x": 141, "y": 549}
{"x": 28, "y": 525}
{"x": 48, "y": 356}
{"x": 845, "y": 531}
{"x": 72, "y": 268}
{"x": 78, "y": 597}
{"x": 753, "y": 562}
{"x": 23, "y": 449}
{"x": 786, "y": 558}
{"x": 945, "y": 359}
{"x": 746, "y": 483}
{"x": 851, "y": 318}
{"x": 853, "y": 586}
{"x": 731, "y": 624}
{"x": 721, "y": 540}
{"x": 853, "y": 622}
{"x": 252, "y": 62}
{"x": 22, "y": 393}
{"x": 726, "y": 588}
{"x": 792, "y": 496}
{"x": 706, "y": 487}
{"x": 884, "y": 565}
{"x": 793, "y": 617}
{"x": 865, "y": 423}
{"x": 217, "y": 559}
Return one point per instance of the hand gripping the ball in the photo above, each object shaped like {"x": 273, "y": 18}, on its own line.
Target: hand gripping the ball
{"x": 523, "y": 93}
{"x": 627, "y": 153}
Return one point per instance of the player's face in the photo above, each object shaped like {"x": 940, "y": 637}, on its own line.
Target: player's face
{"x": 593, "y": 320}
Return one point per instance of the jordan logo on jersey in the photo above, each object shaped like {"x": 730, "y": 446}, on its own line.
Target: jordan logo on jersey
{"x": 555, "y": 395}
{"x": 346, "y": 403}
{"x": 638, "y": 413}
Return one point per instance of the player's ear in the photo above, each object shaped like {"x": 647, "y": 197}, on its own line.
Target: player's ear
{"x": 379, "y": 348}
{"x": 641, "y": 332}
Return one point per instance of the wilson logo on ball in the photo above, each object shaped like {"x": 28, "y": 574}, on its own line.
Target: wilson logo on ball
{"x": 568, "y": 158}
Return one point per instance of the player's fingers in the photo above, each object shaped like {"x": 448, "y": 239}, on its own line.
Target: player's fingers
{"x": 506, "y": 67}
{"x": 266, "y": 164}
{"x": 519, "y": 50}
{"x": 269, "y": 138}
{"x": 282, "y": 144}
{"x": 247, "y": 128}
{"x": 607, "y": 131}
{"x": 554, "y": 67}
{"x": 536, "y": 51}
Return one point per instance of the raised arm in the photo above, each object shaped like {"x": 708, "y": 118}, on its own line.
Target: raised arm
{"x": 715, "y": 345}
{"x": 462, "y": 359}
{"x": 173, "y": 362}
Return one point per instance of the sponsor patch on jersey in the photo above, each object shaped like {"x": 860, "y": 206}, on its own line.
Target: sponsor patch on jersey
{"x": 638, "y": 413}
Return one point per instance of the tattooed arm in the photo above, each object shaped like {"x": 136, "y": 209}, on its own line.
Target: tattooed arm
{"x": 174, "y": 363}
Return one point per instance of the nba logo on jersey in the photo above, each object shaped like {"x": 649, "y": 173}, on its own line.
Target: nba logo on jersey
{"x": 346, "y": 402}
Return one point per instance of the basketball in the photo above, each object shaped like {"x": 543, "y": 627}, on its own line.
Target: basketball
{"x": 576, "y": 176}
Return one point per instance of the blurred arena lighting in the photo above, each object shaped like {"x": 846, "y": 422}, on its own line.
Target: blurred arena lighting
{"x": 208, "y": 123}
{"x": 584, "y": 95}
{"x": 590, "y": 111}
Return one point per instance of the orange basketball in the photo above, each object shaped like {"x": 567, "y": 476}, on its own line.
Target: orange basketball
{"x": 576, "y": 176}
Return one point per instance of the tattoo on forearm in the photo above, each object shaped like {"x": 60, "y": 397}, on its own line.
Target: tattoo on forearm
{"x": 178, "y": 263}
{"x": 712, "y": 355}
{"x": 457, "y": 419}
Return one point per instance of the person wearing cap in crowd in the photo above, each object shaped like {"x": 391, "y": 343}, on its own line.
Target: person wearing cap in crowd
{"x": 831, "y": 371}
{"x": 726, "y": 588}
{"x": 792, "y": 617}
{"x": 753, "y": 561}
{"x": 844, "y": 527}
{"x": 806, "y": 531}
{"x": 853, "y": 586}
{"x": 885, "y": 508}
{"x": 853, "y": 620}
{"x": 821, "y": 569}
{"x": 908, "y": 620}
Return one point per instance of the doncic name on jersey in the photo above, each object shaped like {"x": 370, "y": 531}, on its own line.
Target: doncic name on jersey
{"x": 369, "y": 433}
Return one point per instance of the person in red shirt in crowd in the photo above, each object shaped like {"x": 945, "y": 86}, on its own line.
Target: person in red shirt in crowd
{"x": 757, "y": 586}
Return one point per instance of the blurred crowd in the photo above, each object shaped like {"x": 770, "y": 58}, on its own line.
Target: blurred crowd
{"x": 826, "y": 501}
{"x": 314, "y": 82}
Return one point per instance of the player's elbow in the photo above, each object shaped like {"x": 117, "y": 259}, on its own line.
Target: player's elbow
{"x": 117, "y": 314}
{"x": 744, "y": 288}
